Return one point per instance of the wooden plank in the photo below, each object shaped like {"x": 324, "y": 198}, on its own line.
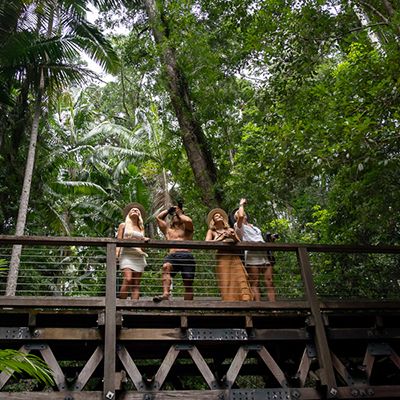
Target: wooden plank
{"x": 205, "y": 304}
{"x": 110, "y": 323}
{"x": 156, "y": 334}
{"x": 200, "y": 304}
{"x": 321, "y": 341}
{"x": 304, "y": 367}
{"x": 279, "y": 334}
{"x": 151, "y": 334}
{"x": 194, "y": 244}
{"x": 197, "y": 304}
{"x": 303, "y": 394}
{"x": 170, "y": 395}
{"x": 395, "y": 358}
{"x": 58, "y": 374}
{"x": 41, "y": 334}
{"x": 380, "y": 392}
{"x": 51, "y": 395}
{"x": 203, "y": 368}
{"x": 342, "y": 370}
{"x": 165, "y": 367}
{"x": 235, "y": 366}
{"x": 178, "y": 395}
{"x": 89, "y": 368}
{"x": 130, "y": 367}
{"x": 359, "y": 304}
{"x": 52, "y": 302}
{"x": 272, "y": 366}
{"x": 5, "y": 376}
{"x": 364, "y": 333}
{"x": 368, "y": 362}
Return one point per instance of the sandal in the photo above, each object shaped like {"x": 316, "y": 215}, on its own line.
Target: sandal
{"x": 161, "y": 297}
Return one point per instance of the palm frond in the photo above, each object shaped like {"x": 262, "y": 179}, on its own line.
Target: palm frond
{"x": 107, "y": 129}
{"x": 15, "y": 361}
{"x": 58, "y": 217}
{"x": 109, "y": 150}
{"x": 78, "y": 188}
{"x": 90, "y": 39}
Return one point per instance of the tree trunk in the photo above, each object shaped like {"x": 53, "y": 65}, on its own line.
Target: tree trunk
{"x": 24, "y": 199}
{"x": 12, "y": 278}
{"x": 392, "y": 13}
{"x": 195, "y": 143}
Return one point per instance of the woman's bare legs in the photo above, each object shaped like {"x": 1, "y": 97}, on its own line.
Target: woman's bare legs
{"x": 135, "y": 285}
{"x": 269, "y": 284}
{"x": 254, "y": 272}
{"x": 131, "y": 281}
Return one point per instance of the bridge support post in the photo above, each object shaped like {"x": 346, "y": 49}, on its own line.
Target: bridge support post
{"x": 321, "y": 342}
{"x": 110, "y": 325}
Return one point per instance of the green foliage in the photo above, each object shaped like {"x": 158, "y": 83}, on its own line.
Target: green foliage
{"x": 13, "y": 361}
{"x": 299, "y": 106}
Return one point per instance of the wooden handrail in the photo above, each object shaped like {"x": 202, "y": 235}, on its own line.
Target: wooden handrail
{"x": 195, "y": 244}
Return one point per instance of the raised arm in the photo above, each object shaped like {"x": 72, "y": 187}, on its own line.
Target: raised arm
{"x": 240, "y": 212}
{"x": 162, "y": 224}
{"x": 185, "y": 219}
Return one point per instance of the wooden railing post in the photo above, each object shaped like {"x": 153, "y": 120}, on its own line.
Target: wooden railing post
{"x": 321, "y": 342}
{"x": 110, "y": 325}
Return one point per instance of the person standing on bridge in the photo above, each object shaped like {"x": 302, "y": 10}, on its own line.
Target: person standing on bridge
{"x": 132, "y": 260}
{"x": 177, "y": 226}
{"x": 231, "y": 275}
{"x": 256, "y": 261}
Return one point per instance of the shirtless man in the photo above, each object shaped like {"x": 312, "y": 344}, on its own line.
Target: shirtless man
{"x": 179, "y": 227}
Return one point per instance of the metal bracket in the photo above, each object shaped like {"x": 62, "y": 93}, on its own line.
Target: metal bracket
{"x": 183, "y": 346}
{"x": 36, "y": 346}
{"x": 379, "y": 349}
{"x": 264, "y": 394}
{"x": 15, "y": 333}
{"x": 311, "y": 351}
{"x": 101, "y": 319}
{"x": 255, "y": 347}
{"x": 217, "y": 334}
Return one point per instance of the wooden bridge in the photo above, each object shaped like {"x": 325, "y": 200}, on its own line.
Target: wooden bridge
{"x": 334, "y": 331}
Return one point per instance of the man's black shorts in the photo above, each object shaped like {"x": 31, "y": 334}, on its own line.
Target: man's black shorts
{"x": 183, "y": 262}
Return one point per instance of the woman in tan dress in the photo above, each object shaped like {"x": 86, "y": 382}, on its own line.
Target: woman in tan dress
{"x": 231, "y": 274}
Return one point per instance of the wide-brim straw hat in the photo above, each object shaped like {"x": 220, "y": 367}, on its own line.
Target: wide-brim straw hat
{"x": 129, "y": 206}
{"x": 214, "y": 211}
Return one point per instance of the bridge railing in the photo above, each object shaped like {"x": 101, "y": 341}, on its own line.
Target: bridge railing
{"x": 83, "y": 268}
{"x": 78, "y": 267}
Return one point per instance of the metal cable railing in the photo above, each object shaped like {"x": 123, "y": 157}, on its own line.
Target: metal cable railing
{"x": 76, "y": 267}
{"x": 81, "y": 271}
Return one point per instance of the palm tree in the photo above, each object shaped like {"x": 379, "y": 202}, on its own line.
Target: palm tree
{"x": 40, "y": 49}
{"x": 97, "y": 167}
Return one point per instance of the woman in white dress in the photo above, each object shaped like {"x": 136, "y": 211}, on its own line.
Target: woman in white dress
{"x": 132, "y": 260}
{"x": 256, "y": 262}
